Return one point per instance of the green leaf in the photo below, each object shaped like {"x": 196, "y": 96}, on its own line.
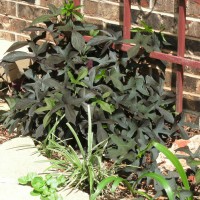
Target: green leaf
{"x": 167, "y": 115}
{"x": 197, "y": 176}
{"x": 122, "y": 152}
{"x": 71, "y": 76}
{"x": 35, "y": 193}
{"x": 31, "y": 176}
{"x": 82, "y": 73}
{"x": 25, "y": 103}
{"x": 17, "y": 55}
{"x": 105, "y": 95}
{"x": 47, "y": 118}
{"x": 54, "y": 9}
{"x": 43, "y": 18}
{"x": 38, "y": 183}
{"x": 106, "y": 106}
{"x": 78, "y": 15}
{"x": 132, "y": 52}
{"x": 99, "y": 40}
{"x": 52, "y": 182}
{"x": 77, "y": 139}
{"x": 77, "y": 41}
{"x": 42, "y": 48}
{"x": 17, "y": 45}
{"x": 34, "y": 28}
{"x": 23, "y": 180}
{"x": 103, "y": 184}
{"x": 185, "y": 194}
{"x": 51, "y": 82}
{"x": 90, "y": 133}
{"x": 67, "y": 27}
{"x": 70, "y": 113}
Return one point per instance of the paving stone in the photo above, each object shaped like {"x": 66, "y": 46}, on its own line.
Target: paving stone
{"x": 18, "y": 157}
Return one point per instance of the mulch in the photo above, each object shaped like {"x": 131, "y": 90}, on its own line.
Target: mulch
{"x": 5, "y": 136}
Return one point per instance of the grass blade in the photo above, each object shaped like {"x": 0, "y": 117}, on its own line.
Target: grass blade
{"x": 77, "y": 139}
{"x": 174, "y": 160}
{"x": 161, "y": 180}
{"x": 90, "y": 133}
{"x": 103, "y": 184}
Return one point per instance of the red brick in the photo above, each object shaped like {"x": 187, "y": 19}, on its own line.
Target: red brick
{"x": 8, "y": 8}
{"x": 198, "y": 86}
{"x": 15, "y": 25}
{"x": 169, "y": 6}
{"x": 91, "y": 8}
{"x": 142, "y": 3}
{"x": 193, "y": 29}
{"x": 191, "y": 103}
{"x": 110, "y": 12}
{"x": 45, "y": 3}
{"x": 191, "y": 118}
{"x": 193, "y": 9}
{"x": 7, "y": 36}
{"x": 22, "y": 37}
{"x": 29, "y": 12}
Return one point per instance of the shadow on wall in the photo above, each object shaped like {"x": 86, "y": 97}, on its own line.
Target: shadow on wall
{"x": 31, "y": 1}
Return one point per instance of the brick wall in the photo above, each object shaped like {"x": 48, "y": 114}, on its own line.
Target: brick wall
{"x": 16, "y": 15}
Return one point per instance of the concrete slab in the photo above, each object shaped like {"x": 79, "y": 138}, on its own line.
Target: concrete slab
{"x": 18, "y": 157}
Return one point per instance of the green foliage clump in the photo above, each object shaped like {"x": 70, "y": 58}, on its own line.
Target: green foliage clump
{"x": 125, "y": 91}
{"x": 45, "y": 187}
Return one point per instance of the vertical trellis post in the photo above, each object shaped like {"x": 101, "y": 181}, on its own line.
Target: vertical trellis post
{"x": 76, "y": 2}
{"x": 181, "y": 52}
{"x": 127, "y": 19}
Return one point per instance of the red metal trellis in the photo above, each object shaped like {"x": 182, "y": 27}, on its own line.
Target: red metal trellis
{"x": 179, "y": 59}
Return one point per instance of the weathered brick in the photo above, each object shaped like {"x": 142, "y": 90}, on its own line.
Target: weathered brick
{"x": 193, "y": 9}
{"x": 191, "y": 118}
{"x": 54, "y": 2}
{"x": 7, "y": 36}
{"x": 169, "y": 23}
{"x": 198, "y": 86}
{"x": 110, "y": 12}
{"x": 142, "y": 3}
{"x": 12, "y": 24}
{"x": 91, "y": 8}
{"x": 191, "y": 70}
{"x": 29, "y": 12}
{"x": 169, "y": 6}
{"x": 22, "y": 37}
{"x": 193, "y": 29}
{"x": 94, "y": 21}
{"x": 8, "y": 8}
{"x": 104, "y": 10}
{"x": 191, "y": 103}
{"x": 189, "y": 84}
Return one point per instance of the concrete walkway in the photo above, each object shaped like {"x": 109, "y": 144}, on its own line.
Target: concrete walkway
{"x": 18, "y": 157}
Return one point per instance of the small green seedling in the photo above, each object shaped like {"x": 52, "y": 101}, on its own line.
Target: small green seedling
{"x": 45, "y": 187}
